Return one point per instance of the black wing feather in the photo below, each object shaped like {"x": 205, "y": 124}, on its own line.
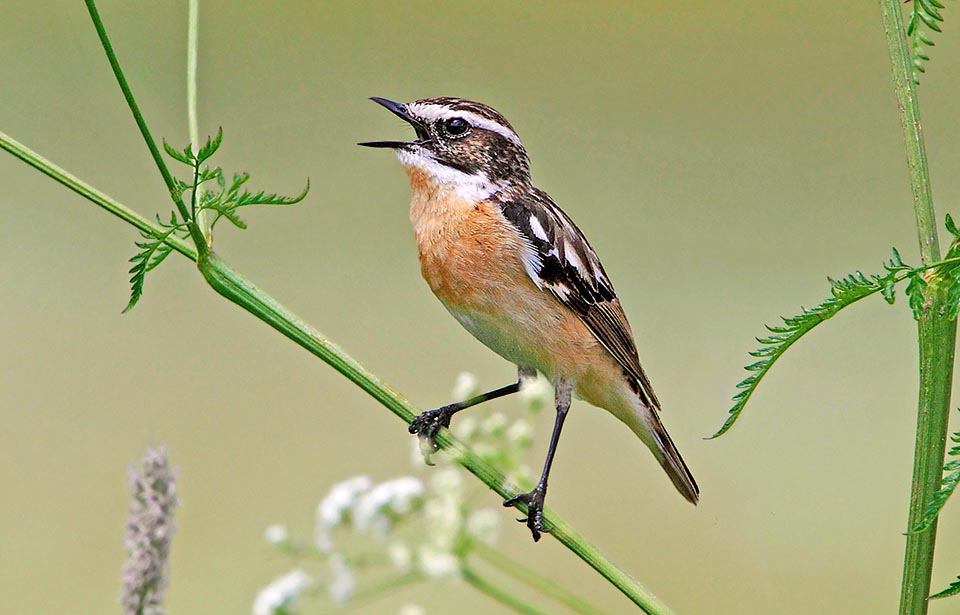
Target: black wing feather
{"x": 564, "y": 264}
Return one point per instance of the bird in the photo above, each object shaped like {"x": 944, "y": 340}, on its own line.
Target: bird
{"x": 521, "y": 277}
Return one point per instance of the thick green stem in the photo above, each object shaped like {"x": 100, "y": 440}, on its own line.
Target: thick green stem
{"x": 937, "y": 335}
{"x": 519, "y": 572}
{"x": 937, "y": 332}
{"x": 499, "y": 594}
{"x": 195, "y": 233}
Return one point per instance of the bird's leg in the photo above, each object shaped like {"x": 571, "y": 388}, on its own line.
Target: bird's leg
{"x": 534, "y": 499}
{"x": 427, "y": 424}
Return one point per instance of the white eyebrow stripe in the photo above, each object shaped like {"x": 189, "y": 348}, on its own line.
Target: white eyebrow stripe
{"x": 438, "y": 112}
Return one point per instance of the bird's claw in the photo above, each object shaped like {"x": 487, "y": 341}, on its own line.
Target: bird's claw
{"x": 534, "y": 503}
{"x": 426, "y": 426}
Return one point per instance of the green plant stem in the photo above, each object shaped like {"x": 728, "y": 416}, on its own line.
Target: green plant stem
{"x": 937, "y": 333}
{"x": 90, "y": 193}
{"x": 193, "y": 36}
{"x": 198, "y": 238}
{"x": 521, "y": 573}
{"x": 902, "y": 69}
{"x": 499, "y": 594}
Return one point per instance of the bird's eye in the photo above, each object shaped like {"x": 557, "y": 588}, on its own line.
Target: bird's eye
{"x": 456, "y": 126}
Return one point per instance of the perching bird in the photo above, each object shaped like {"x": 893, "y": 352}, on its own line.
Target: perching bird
{"x": 519, "y": 275}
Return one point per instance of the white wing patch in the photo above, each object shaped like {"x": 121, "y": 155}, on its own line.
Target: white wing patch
{"x": 537, "y": 228}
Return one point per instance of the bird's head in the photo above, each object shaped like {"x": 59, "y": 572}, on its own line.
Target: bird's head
{"x": 461, "y": 145}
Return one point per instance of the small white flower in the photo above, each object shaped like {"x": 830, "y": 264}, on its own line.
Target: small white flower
{"x": 400, "y": 556}
{"x": 332, "y": 510}
{"x": 280, "y": 592}
{"x": 276, "y": 535}
{"x": 494, "y": 424}
{"x": 396, "y": 497}
{"x": 438, "y": 564}
{"x": 342, "y": 582}
{"x": 411, "y": 609}
{"x": 536, "y": 394}
{"x": 484, "y": 525}
{"x": 443, "y": 511}
{"x": 520, "y": 433}
{"x": 465, "y": 387}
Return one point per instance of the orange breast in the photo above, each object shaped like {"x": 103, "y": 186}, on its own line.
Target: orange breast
{"x": 471, "y": 257}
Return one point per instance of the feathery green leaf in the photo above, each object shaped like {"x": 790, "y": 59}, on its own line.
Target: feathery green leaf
{"x": 223, "y": 201}
{"x": 948, "y": 484}
{"x": 953, "y": 590}
{"x": 844, "y": 292}
{"x": 923, "y": 13}
{"x": 152, "y": 253}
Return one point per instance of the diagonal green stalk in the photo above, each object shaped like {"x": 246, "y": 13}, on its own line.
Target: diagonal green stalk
{"x": 937, "y": 332}
{"x": 195, "y": 233}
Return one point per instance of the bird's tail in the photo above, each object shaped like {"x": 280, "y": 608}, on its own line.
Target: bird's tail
{"x": 669, "y": 457}
{"x": 645, "y": 423}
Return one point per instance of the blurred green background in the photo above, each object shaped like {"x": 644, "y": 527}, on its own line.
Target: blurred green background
{"x": 722, "y": 157}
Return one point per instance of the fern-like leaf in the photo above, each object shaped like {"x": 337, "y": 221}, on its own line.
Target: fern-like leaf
{"x": 230, "y": 199}
{"x": 152, "y": 253}
{"x": 224, "y": 202}
{"x": 953, "y": 590}
{"x": 844, "y": 292}
{"x": 925, "y": 15}
{"x": 948, "y": 484}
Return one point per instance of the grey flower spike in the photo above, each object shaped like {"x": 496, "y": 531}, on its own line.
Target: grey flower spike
{"x": 148, "y": 534}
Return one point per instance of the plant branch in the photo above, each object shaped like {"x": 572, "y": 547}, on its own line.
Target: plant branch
{"x": 902, "y": 69}
{"x": 193, "y": 35}
{"x": 195, "y": 233}
{"x": 937, "y": 330}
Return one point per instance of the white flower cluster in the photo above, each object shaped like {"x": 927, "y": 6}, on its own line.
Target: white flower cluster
{"x": 424, "y": 530}
{"x": 279, "y": 595}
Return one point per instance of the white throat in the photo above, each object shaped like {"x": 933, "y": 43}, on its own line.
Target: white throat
{"x": 471, "y": 187}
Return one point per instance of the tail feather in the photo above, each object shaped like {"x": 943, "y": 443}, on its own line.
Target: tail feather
{"x": 669, "y": 457}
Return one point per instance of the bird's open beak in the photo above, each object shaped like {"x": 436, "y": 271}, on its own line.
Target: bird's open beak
{"x": 400, "y": 110}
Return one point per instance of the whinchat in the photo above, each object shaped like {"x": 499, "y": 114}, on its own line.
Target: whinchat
{"x": 519, "y": 275}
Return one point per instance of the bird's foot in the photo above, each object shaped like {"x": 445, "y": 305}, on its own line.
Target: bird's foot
{"x": 534, "y": 503}
{"x": 426, "y": 426}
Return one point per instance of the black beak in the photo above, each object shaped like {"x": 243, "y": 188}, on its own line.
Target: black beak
{"x": 400, "y": 110}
